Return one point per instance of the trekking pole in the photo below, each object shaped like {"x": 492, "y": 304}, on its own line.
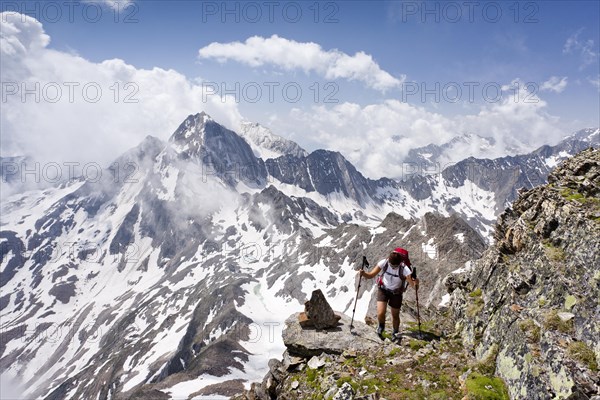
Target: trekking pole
{"x": 365, "y": 263}
{"x": 414, "y": 276}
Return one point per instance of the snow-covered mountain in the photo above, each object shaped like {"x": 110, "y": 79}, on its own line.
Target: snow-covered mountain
{"x": 174, "y": 279}
{"x": 266, "y": 144}
{"x": 433, "y": 157}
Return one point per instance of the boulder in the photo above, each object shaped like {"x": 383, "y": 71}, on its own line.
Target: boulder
{"x": 308, "y": 342}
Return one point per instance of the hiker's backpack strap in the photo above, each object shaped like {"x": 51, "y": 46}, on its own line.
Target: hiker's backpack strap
{"x": 381, "y": 274}
{"x": 404, "y": 280}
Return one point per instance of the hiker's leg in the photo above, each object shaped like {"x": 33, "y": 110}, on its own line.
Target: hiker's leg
{"x": 381, "y": 306}
{"x": 396, "y": 319}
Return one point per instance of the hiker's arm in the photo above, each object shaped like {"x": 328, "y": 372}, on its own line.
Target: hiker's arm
{"x": 413, "y": 282}
{"x": 370, "y": 274}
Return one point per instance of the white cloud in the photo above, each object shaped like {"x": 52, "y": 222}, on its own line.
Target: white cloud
{"x": 555, "y": 84}
{"x": 20, "y": 35}
{"x": 586, "y": 49}
{"x": 72, "y": 127}
{"x": 290, "y": 55}
{"x": 376, "y": 138}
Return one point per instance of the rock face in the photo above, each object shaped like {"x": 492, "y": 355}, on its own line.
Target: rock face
{"x": 308, "y": 342}
{"x": 320, "y": 312}
{"x": 530, "y": 305}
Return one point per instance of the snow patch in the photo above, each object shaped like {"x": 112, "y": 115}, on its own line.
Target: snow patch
{"x": 430, "y": 249}
{"x": 460, "y": 237}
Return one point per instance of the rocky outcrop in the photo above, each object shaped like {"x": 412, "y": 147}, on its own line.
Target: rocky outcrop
{"x": 530, "y": 305}
{"x": 308, "y": 342}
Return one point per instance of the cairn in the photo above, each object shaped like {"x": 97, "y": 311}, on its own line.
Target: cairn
{"x": 318, "y": 313}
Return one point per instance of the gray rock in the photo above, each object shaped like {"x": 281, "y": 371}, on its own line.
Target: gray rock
{"x": 331, "y": 392}
{"x": 349, "y": 353}
{"x": 291, "y": 362}
{"x": 319, "y": 311}
{"x": 345, "y": 393}
{"x": 315, "y": 363}
{"x": 307, "y": 342}
{"x": 566, "y": 316}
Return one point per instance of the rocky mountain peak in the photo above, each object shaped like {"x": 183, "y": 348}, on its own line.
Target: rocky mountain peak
{"x": 191, "y": 127}
{"x": 221, "y": 151}
{"x": 350, "y": 361}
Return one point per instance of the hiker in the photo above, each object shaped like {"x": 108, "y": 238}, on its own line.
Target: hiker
{"x": 395, "y": 272}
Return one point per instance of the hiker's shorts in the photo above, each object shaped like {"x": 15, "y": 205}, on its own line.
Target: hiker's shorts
{"x": 393, "y": 299}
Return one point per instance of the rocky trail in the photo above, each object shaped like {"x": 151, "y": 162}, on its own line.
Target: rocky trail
{"x": 344, "y": 363}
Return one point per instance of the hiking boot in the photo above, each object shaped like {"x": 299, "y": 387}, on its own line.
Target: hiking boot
{"x": 380, "y": 330}
{"x": 396, "y": 337}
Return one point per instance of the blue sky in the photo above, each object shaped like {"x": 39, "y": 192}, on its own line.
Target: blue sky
{"x": 365, "y": 56}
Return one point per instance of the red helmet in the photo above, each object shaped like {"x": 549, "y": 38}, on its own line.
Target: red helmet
{"x": 404, "y": 254}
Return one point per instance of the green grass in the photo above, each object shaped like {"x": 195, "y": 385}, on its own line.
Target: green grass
{"x": 554, "y": 253}
{"x": 570, "y": 194}
{"x": 487, "y": 366}
{"x": 380, "y": 362}
{"x": 373, "y": 384}
{"x": 416, "y": 344}
{"x": 425, "y": 326}
{"x": 311, "y": 374}
{"x": 395, "y": 351}
{"x": 553, "y": 322}
{"x": 579, "y": 351}
{"x": 480, "y": 387}
{"x": 531, "y": 330}
{"x": 476, "y": 304}
{"x": 475, "y": 307}
{"x": 573, "y": 195}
